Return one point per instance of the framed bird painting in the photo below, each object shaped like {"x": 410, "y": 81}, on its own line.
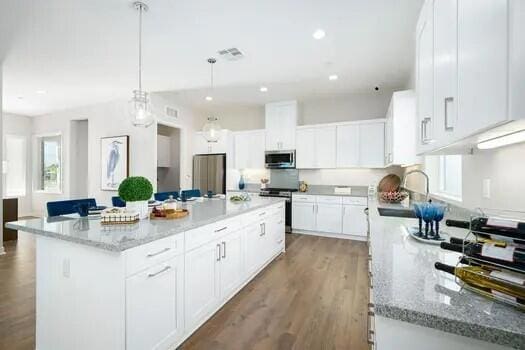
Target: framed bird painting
{"x": 114, "y": 161}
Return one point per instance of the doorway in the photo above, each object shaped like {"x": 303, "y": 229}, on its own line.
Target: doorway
{"x": 168, "y": 158}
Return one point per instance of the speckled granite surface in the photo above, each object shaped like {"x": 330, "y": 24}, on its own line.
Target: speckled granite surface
{"x": 322, "y": 190}
{"x": 408, "y": 288}
{"x": 121, "y": 237}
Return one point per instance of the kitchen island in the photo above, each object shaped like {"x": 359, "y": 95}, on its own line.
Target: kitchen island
{"x": 417, "y": 306}
{"x": 152, "y": 284}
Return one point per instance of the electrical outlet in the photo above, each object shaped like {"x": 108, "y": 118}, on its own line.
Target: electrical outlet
{"x": 486, "y": 188}
{"x": 66, "y": 268}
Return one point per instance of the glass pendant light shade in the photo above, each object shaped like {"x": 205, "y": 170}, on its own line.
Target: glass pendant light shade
{"x": 140, "y": 109}
{"x": 212, "y": 130}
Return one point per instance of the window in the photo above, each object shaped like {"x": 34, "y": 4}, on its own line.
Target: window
{"x": 445, "y": 173}
{"x": 49, "y": 163}
{"x": 14, "y": 165}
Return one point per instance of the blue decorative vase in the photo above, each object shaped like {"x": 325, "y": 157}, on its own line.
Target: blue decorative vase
{"x": 241, "y": 183}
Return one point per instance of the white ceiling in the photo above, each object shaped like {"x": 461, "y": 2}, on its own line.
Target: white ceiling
{"x": 82, "y": 52}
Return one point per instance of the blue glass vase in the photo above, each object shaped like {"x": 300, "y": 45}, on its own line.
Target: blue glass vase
{"x": 241, "y": 183}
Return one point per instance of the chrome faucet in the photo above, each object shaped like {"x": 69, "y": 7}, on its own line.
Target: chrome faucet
{"x": 404, "y": 182}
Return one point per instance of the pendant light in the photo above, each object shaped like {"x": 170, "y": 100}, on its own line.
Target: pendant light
{"x": 140, "y": 104}
{"x": 212, "y": 128}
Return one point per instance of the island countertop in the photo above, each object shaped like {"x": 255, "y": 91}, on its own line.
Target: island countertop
{"x": 117, "y": 238}
{"x": 407, "y": 287}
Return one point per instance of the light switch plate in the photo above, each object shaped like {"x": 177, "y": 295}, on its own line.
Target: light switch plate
{"x": 486, "y": 188}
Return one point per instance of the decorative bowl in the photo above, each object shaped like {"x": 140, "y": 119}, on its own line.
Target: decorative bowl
{"x": 393, "y": 196}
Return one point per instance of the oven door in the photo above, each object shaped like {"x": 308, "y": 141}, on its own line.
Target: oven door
{"x": 279, "y": 159}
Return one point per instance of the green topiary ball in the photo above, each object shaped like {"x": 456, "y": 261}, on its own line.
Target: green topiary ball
{"x": 135, "y": 188}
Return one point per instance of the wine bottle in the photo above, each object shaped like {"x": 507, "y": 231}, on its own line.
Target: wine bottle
{"x": 481, "y": 278}
{"x": 499, "y": 243}
{"x": 509, "y": 256}
{"x": 489, "y": 227}
{"x": 496, "y": 272}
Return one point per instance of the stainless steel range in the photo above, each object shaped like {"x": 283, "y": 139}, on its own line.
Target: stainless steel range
{"x": 283, "y": 193}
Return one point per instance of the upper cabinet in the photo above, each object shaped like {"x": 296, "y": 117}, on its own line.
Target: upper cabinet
{"x": 469, "y": 72}
{"x": 223, "y": 145}
{"x": 400, "y": 129}
{"x": 249, "y": 149}
{"x": 316, "y": 147}
{"x": 361, "y": 144}
{"x": 281, "y": 122}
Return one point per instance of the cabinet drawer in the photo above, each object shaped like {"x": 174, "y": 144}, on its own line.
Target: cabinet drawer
{"x": 329, "y": 199}
{"x": 147, "y": 255}
{"x": 355, "y": 200}
{"x": 257, "y": 215}
{"x": 202, "y": 235}
{"x": 303, "y": 198}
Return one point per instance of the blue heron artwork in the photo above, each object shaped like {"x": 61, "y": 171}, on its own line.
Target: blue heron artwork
{"x": 114, "y": 161}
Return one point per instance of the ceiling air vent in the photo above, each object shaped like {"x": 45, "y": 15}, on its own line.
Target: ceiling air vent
{"x": 172, "y": 112}
{"x": 232, "y": 54}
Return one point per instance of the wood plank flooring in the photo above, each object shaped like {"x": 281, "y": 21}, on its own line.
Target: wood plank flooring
{"x": 313, "y": 297}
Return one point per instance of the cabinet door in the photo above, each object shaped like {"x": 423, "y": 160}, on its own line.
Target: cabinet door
{"x": 482, "y": 64}
{"x": 372, "y": 145}
{"x": 231, "y": 271}
{"x": 347, "y": 147}
{"x": 288, "y": 123}
{"x": 154, "y": 306}
{"x": 221, "y": 146}
{"x": 242, "y": 151}
{"x": 303, "y": 216}
{"x": 256, "y": 149}
{"x": 425, "y": 77}
{"x": 201, "y": 279}
{"x": 200, "y": 144}
{"x": 325, "y": 144}
{"x": 306, "y": 149}
{"x": 354, "y": 220}
{"x": 329, "y": 218}
{"x": 255, "y": 245}
{"x": 274, "y": 131}
{"x": 389, "y": 134}
{"x": 445, "y": 70}
{"x": 276, "y": 232}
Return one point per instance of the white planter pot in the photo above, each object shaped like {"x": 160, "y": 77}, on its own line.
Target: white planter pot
{"x": 140, "y": 206}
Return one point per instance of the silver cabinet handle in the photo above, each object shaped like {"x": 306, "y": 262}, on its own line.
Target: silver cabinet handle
{"x": 262, "y": 214}
{"x": 221, "y": 229}
{"x": 151, "y": 255}
{"x": 224, "y": 250}
{"x": 425, "y": 138}
{"x": 159, "y": 272}
{"x": 218, "y": 252}
{"x": 262, "y": 230}
{"x": 448, "y": 101}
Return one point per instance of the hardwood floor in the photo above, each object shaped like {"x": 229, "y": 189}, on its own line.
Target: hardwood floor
{"x": 313, "y": 297}
{"x": 17, "y": 294}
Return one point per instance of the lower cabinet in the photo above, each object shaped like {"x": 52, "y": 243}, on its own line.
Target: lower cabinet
{"x": 329, "y": 218}
{"x": 154, "y": 306}
{"x": 354, "y": 220}
{"x": 231, "y": 272}
{"x": 303, "y": 216}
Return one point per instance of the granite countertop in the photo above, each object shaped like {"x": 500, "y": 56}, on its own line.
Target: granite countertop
{"x": 322, "y": 190}
{"x": 117, "y": 238}
{"x": 408, "y": 288}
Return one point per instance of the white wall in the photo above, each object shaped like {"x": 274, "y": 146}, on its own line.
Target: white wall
{"x": 21, "y": 126}
{"x": 235, "y": 118}
{"x": 112, "y": 119}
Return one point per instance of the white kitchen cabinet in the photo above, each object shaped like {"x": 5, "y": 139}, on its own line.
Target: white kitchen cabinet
{"x": 445, "y": 70}
{"x": 249, "y": 149}
{"x": 347, "y": 139}
{"x": 400, "y": 129}
{"x": 163, "y": 151}
{"x": 316, "y": 147}
{"x": 281, "y": 122}
{"x": 201, "y": 290}
{"x": 354, "y": 220}
{"x": 155, "y": 306}
{"x": 328, "y": 217}
{"x": 231, "y": 263}
{"x": 425, "y": 77}
{"x": 303, "y": 216}
{"x": 277, "y": 222}
{"x": 202, "y": 146}
{"x": 483, "y": 55}
{"x": 372, "y": 145}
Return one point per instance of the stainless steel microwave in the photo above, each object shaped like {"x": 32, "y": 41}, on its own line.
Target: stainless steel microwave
{"x": 279, "y": 159}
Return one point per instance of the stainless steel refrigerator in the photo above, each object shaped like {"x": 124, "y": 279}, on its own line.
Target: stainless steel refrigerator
{"x": 209, "y": 173}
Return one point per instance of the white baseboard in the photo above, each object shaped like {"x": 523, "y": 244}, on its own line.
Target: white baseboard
{"x": 331, "y": 235}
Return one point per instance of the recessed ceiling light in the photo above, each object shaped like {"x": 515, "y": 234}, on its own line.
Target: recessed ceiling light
{"x": 41, "y": 92}
{"x": 333, "y": 77}
{"x": 319, "y": 34}
{"x": 263, "y": 89}
{"x": 209, "y": 98}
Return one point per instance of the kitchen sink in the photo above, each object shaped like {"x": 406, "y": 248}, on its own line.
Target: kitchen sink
{"x": 397, "y": 212}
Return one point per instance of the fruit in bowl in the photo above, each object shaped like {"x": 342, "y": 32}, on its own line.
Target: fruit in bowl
{"x": 393, "y": 196}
